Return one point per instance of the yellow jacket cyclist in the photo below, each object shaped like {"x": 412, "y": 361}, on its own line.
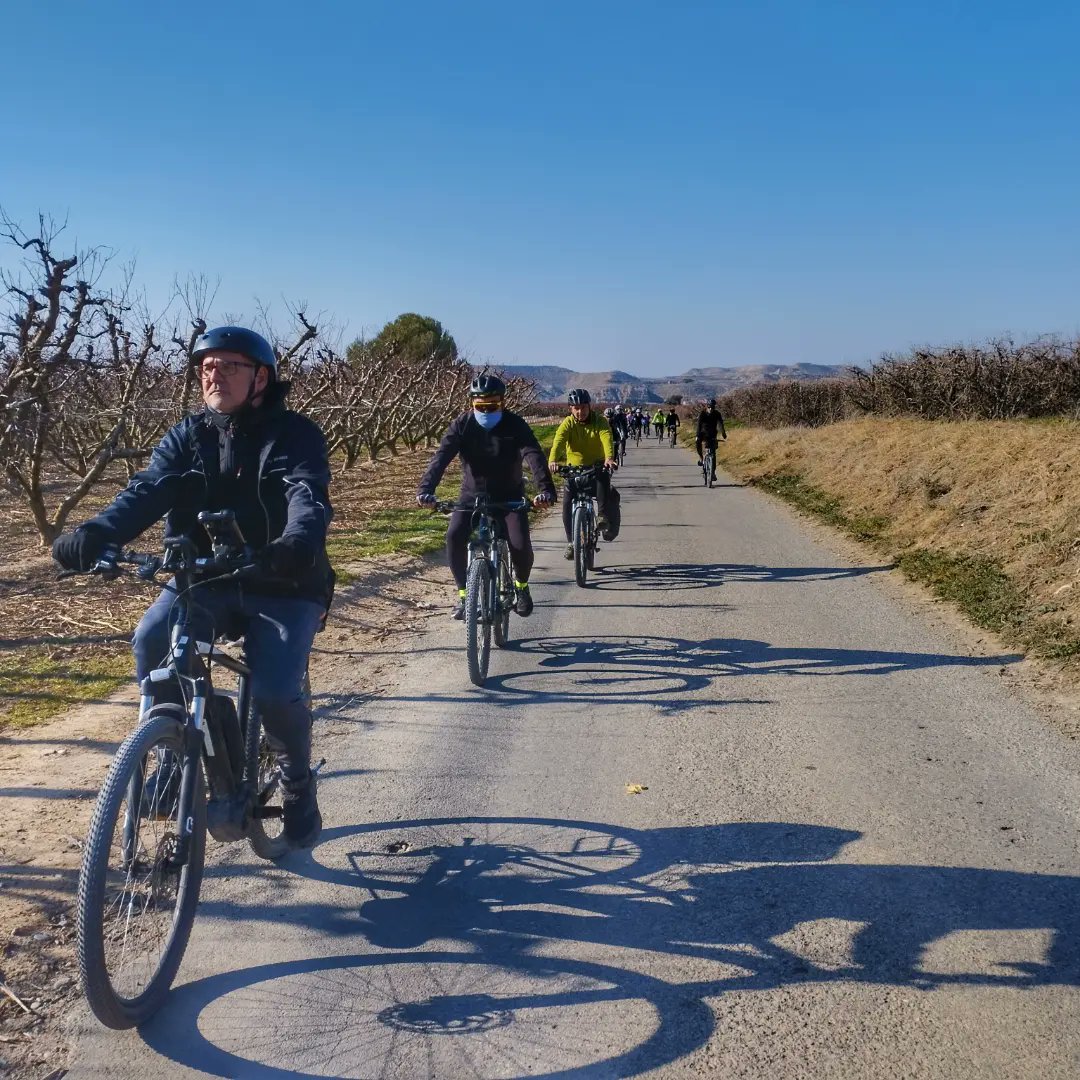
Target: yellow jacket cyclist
{"x": 584, "y": 438}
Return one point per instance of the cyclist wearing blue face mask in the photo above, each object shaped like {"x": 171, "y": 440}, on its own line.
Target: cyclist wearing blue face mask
{"x": 492, "y": 442}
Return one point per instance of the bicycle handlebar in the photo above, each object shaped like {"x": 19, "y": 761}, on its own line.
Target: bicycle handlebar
{"x": 448, "y": 506}
{"x": 581, "y": 470}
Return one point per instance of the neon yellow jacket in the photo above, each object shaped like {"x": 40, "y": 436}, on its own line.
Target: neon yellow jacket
{"x": 587, "y": 443}
{"x": 660, "y": 417}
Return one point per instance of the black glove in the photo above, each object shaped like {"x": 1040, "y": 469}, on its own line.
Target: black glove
{"x": 79, "y": 550}
{"x": 286, "y": 557}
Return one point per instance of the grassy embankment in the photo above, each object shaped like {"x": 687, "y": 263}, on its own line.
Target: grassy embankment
{"x": 985, "y": 513}
{"x": 47, "y": 665}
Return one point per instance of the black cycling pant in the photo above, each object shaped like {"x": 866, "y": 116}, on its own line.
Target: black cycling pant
{"x": 278, "y": 633}
{"x": 517, "y": 535}
{"x": 603, "y": 488}
{"x": 711, "y": 444}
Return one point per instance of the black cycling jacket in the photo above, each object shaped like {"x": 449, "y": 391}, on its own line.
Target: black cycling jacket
{"x": 268, "y": 464}
{"x": 490, "y": 460}
{"x": 709, "y": 423}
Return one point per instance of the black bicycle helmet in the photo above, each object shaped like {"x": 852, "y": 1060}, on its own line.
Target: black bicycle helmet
{"x": 236, "y": 339}
{"x": 487, "y": 386}
{"x": 579, "y": 397}
{"x": 712, "y": 403}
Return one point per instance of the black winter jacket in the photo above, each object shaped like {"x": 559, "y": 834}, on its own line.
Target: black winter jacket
{"x": 490, "y": 460}
{"x": 276, "y": 481}
{"x": 709, "y": 423}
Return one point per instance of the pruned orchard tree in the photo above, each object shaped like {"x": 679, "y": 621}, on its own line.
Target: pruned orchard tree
{"x": 54, "y": 324}
{"x": 89, "y": 382}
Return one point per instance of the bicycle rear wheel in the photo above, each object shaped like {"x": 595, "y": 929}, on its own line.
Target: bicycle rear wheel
{"x": 580, "y": 534}
{"x": 266, "y": 835}
{"x": 478, "y": 620}
{"x": 135, "y": 907}
{"x": 504, "y": 596}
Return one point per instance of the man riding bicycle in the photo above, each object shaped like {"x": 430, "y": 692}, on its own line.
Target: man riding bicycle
{"x": 492, "y": 442}
{"x": 584, "y": 438}
{"x": 710, "y": 424}
{"x": 659, "y": 419}
{"x": 620, "y": 430}
{"x": 671, "y": 422}
{"x": 248, "y": 453}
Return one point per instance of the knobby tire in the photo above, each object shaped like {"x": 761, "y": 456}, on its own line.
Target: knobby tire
{"x": 504, "y": 596}
{"x": 477, "y": 620}
{"x": 124, "y": 785}
{"x": 581, "y": 546}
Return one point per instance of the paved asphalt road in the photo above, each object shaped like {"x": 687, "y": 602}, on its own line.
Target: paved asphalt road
{"x": 856, "y": 854}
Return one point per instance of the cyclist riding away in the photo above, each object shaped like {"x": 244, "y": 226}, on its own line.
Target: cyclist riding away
{"x": 584, "y": 438}
{"x": 246, "y": 452}
{"x": 492, "y": 442}
{"x": 710, "y": 424}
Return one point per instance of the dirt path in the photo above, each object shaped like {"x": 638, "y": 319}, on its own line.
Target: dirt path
{"x": 50, "y": 776}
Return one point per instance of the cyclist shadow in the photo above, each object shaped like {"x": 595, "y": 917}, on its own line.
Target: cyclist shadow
{"x": 665, "y": 671}
{"x": 666, "y": 577}
{"x": 488, "y": 902}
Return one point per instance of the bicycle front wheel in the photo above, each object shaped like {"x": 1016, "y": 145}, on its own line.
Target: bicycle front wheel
{"x": 478, "y": 620}
{"x": 504, "y": 597}
{"x": 136, "y": 905}
{"x": 581, "y": 546}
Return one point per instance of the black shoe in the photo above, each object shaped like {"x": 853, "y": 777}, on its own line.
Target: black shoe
{"x": 300, "y": 811}
{"x": 161, "y": 789}
{"x": 523, "y": 603}
{"x": 458, "y": 611}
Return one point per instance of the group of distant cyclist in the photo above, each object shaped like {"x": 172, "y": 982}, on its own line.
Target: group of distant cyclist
{"x": 248, "y": 454}
{"x": 492, "y": 443}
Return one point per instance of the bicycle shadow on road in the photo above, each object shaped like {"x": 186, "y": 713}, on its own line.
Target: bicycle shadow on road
{"x": 472, "y": 912}
{"x": 664, "y": 577}
{"x": 665, "y": 671}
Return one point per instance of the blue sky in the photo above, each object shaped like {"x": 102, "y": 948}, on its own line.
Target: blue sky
{"x": 648, "y": 186}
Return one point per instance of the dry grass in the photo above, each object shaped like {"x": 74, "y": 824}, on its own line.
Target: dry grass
{"x": 62, "y": 642}
{"x": 975, "y": 507}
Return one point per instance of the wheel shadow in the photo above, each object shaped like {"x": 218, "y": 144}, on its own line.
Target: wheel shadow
{"x": 665, "y": 577}
{"x": 473, "y": 917}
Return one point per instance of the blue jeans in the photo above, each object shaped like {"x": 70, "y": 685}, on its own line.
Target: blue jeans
{"x": 278, "y": 634}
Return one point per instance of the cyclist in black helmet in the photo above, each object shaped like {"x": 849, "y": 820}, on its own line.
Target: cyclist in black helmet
{"x": 584, "y": 438}
{"x": 246, "y": 452}
{"x": 710, "y": 426}
{"x": 492, "y": 442}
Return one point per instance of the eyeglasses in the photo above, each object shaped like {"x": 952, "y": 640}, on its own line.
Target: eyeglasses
{"x": 487, "y": 406}
{"x": 226, "y": 367}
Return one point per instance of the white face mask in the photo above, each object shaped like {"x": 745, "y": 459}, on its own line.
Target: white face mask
{"x": 487, "y": 420}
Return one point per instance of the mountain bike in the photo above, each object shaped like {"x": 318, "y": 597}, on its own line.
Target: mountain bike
{"x": 204, "y": 766}
{"x": 620, "y": 451}
{"x": 637, "y": 435}
{"x": 672, "y": 432}
{"x": 659, "y": 434}
{"x": 708, "y": 466}
{"x": 581, "y": 481}
{"x": 489, "y": 580}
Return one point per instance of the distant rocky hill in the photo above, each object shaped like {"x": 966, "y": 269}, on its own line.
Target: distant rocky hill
{"x": 697, "y": 383}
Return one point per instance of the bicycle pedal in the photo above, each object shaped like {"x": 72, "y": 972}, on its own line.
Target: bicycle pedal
{"x": 315, "y": 768}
